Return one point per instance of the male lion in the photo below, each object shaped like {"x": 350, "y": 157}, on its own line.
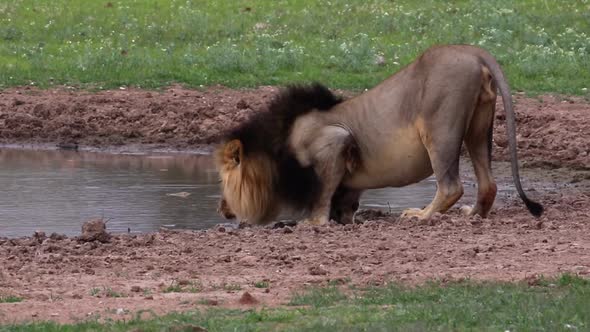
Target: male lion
{"x": 314, "y": 151}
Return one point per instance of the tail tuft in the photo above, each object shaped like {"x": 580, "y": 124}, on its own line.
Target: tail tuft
{"x": 535, "y": 208}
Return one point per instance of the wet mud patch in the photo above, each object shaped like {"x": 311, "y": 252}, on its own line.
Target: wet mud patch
{"x": 552, "y": 130}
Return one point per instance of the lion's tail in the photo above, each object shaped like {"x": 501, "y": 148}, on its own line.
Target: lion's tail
{"x": 535, "y": 208}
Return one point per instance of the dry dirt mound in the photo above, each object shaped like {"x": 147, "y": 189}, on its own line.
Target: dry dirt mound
{"x": 552, "y": 131}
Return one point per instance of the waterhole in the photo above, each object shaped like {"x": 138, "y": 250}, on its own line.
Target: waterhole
{"x": 56, "y": 191}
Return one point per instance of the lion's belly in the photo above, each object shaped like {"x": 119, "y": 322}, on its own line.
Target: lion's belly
{"x": 396, "y": 162}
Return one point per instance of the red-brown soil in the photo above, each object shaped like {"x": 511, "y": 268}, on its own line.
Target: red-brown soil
{"x": 552, "y": 131}
{"x": 68, "y": 279}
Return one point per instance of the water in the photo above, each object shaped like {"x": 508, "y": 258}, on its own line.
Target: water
{"x": 56, "y": 191}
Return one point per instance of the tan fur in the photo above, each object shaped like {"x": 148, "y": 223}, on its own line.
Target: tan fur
{"x": 400, "y": 132}
{"x": 247, "y": 184}
{"x": 410, "y": 126}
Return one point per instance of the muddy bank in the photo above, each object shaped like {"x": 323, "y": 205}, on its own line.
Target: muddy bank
{"x": 70, "y": 279}
{"x": 552, "y": 131}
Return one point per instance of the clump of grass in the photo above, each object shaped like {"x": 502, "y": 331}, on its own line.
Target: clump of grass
{"x": 109, "y": 292}
{"x": 10, "y": 299}
{"x": 190, "y": 287}
{"x": 262, "y": 284}
{"x": 173, "y": 288}
{"x": 94, "y": 291}
{"x": 105, "y": 291}
{"x": 231, "y": 287}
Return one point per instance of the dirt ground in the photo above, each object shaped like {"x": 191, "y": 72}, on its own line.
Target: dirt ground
{"x": 70, "y": 279}
{"x": 552, "y": 131}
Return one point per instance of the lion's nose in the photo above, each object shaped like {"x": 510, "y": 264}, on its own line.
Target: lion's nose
{"x": 228, "y": 215}
{"x": 224, "y": 211}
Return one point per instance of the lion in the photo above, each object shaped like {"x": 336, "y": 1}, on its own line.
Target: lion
{"x": 317, "y": 152}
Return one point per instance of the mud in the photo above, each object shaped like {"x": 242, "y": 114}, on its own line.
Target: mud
{"x": 69, "y": 279}
{"x": 552, "y": 131}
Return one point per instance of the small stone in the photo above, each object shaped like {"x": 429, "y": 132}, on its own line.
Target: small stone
{"x": 135, "y": 289}
{"x": 95, "y": 230}
{"x": 57, "y": 237}
{"x": 149, "y": 297}
{"x": 39, "y": 236}
{"x": 287, "y": 230}
{"x": 318, "y": 270}
{"x": 248, "y": 260}
{"x": 120, "y": 311}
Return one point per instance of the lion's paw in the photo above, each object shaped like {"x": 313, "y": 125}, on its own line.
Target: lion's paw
{"x": 318, "y": 221}
{"x": 467, "y": 210}
{"x": 413, "y": 212}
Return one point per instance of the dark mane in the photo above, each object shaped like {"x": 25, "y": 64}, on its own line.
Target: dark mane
{"x": 267, "y": 133}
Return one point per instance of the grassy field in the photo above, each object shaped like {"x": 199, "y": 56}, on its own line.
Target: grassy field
{"x": 544, "y": 46}
{"x": 551, "y": 305}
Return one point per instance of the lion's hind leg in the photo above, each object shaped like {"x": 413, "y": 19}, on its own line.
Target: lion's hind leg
{"x": 479, "y": 144}
{"x": 445, "y": 164}
{"x": 443, "y": 140}
{"x": 449, "y": 190}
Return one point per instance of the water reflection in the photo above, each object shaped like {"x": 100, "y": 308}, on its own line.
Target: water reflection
{"x": 58, "y": 190}
{"x": 55, "y": 191}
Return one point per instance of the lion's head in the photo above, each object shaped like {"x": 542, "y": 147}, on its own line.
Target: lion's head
{"x": 259, "y": 174}
{"x": 247, "y": 184}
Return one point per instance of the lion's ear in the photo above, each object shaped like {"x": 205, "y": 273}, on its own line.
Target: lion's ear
{"x": 234, "y": 151}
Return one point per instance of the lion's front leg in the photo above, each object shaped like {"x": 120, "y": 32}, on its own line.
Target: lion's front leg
{"x": 345, "y": 203}
{"x": 325, "y": 150}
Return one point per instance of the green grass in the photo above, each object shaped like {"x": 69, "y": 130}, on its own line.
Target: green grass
{"x": 173, "y": 288}
{"x": 553, "y": 305}
{"x": 262, "y": 284}
{"x": 231, "y": 287}
{"x": 190, "y": 287}
{"x": 544, "y": 46}
{"x": 10, "y": 299}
